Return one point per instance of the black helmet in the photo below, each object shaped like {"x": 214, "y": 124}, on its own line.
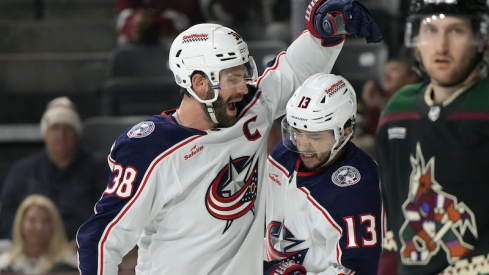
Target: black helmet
{"x": 458, "y": 7}
{"x": 476, "y": 10}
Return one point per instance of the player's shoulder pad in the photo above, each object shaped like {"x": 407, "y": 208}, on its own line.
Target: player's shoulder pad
{"x": 141, "y": 130}
{"x": 477, "y": 97}
{"x": 355, "y": 167}
{"x": 404, "y": 99}
{"x": 346, "y": 176}
{"x": 158, "y": 131}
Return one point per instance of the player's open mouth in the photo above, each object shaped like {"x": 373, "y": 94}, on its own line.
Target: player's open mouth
{"x": 232, "y": 106}
{"x": 307, "y": 156}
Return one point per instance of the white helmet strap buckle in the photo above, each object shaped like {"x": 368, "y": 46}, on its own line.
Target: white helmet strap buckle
{"x": 211, "y": 112}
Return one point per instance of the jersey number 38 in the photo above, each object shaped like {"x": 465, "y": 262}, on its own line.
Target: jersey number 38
{"x": 122, "y": 181}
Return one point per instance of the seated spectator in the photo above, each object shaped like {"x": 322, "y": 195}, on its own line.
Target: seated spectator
{"x": 243, "y": 16}
{"x": 277, "y": 17}
{"x": 397, "y": 74}
{"x": 150, "y": 22}
{"x": 39, "y": 240}
{"x": 71, "y": 177}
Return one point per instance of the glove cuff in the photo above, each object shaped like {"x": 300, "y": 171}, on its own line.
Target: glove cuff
{"x": 310, "y": 12}
{"x": 333, "y": 41}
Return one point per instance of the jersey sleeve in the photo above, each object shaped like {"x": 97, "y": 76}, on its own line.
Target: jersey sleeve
{"x": 360, "y": 219}
{"x": 143, "y": 179}
{"x": 303, "y": 58}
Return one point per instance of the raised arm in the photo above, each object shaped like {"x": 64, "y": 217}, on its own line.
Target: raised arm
{"x": 317, "y": 48}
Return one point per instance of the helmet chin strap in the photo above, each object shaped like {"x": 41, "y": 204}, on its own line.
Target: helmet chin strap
{"x": 208, "y": 104}
{"x": 211, "y": 111}
{"x": 210, "y": 107}
{"x": 334, "y": 151}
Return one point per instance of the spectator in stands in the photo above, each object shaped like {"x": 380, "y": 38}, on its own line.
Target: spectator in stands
{"x": 277, "y": 16}
{"x": 40, "y": 244}
{"x": 397, "y": 74}
{"x": 297, "y": 22}
{"x": 71, "y": 177}
{"x": 151, "y": 21}
{"x": 243, "y": 16}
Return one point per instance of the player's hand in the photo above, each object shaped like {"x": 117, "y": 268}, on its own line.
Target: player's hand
{"x": 286, "y": 268}
{"x": 332, "y": 20}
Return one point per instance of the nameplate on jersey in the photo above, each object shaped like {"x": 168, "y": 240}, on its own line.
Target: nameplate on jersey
{"x": 142, "y": 129}
{"x": 346, "y": 176}
{"x": 396, "y": 133}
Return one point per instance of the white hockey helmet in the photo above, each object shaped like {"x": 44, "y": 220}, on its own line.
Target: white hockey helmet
{"x": 209, "y": 48}
{"x": 324, "y": 103}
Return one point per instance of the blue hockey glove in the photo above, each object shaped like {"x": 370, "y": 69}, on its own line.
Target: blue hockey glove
{"x": 285, "y": 268}
{"x": 332, "y": 20}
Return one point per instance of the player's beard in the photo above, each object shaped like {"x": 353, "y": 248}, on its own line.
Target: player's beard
{"x": 321, "y": 158}
{"x": 459, "y": 74}
{"x": 220, "y": 110}
{"x": 463, "y": 73}
{"x": 220, "y": 107}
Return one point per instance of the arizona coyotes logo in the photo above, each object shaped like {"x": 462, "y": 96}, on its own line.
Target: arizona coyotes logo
{"x": 282, "y": 245}
{"x": 233, "y": 192}
{"x": 434, "y": 219}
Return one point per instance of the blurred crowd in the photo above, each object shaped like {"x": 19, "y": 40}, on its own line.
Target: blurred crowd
{"x": 157, "y": 21}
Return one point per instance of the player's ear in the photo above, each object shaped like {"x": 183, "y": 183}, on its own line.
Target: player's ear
{"x": 347, "y": 131}
{"x": 199, "y": 84}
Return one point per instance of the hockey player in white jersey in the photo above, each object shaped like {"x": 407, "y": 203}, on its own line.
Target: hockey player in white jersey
{"x": 323, "y": 199}
{"x": 185, "y": 184}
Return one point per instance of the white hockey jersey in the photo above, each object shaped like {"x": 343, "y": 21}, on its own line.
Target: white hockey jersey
{"x": 328, "y": 220}
{"x": 189, "y": 198}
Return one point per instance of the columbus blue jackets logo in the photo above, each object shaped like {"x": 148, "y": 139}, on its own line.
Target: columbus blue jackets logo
{"x": 142, "y": 129}
{"x": 233, "y": 192}
{"x": 346, "y": 176}
{"x": 282, "y": 245}
{"x": 434, "y": 218}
